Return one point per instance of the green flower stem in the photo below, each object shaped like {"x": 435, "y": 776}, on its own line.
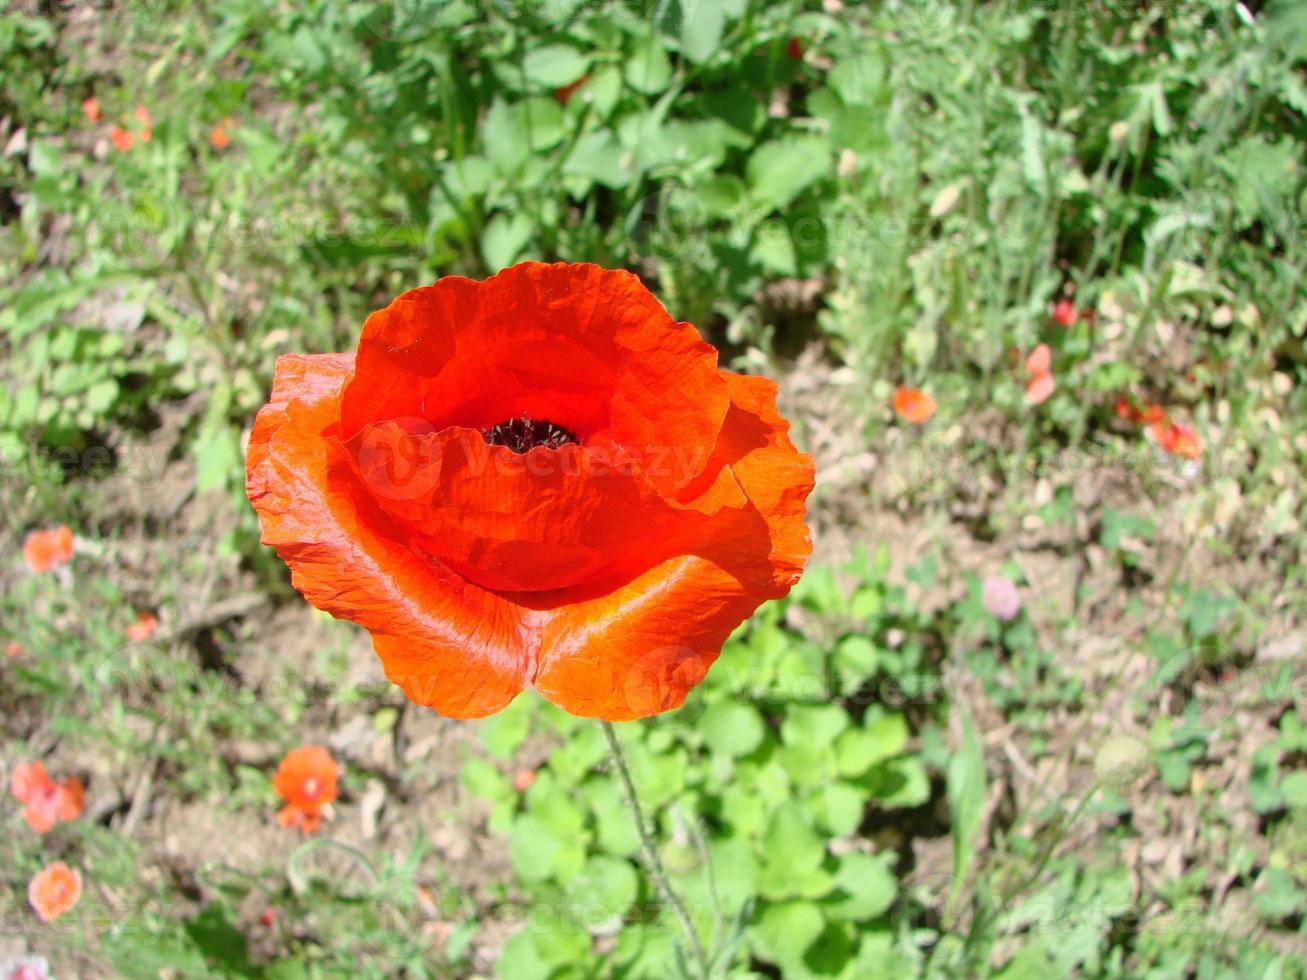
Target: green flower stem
{"x": 651, "y": 858}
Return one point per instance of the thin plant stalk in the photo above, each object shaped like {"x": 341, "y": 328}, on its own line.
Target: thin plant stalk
{"x": 650, "y": 853}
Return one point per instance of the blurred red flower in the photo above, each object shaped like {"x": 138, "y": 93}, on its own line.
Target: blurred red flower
{"x": 1065, "y": 313}
{"x": 54, "y": 890}
{"x": 306, "y": 782}
{"x": 46, "y": 802}
{"x": 1177, "y": 439}
{"x": 912, "y": 404}
{"x": 121, "y": 139}
{"x": 1039, "y": 381}
{"x": 44, "y": 551}
{"x": 91, "y": 108}
{"x": 144, "y": 627}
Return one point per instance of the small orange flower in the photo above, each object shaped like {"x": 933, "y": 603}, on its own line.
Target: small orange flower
{"x": 46, "y": 802}
{"x": 54, "y": 891}
{"x": 218, "y": 137}
{"x": 1177, "y": 439}
{"x": 306, "y": 781}
{"x": 13, "y": 649}
{"x": 91, "y": 108}
{"x": 912, "y": 404}
{"x": 121, "y": 139}
{"x": 144, "y": 627}
{"x": 44, "y": 551}
{"x": 523, "y": 780}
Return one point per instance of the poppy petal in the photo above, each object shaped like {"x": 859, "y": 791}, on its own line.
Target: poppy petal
{"x": 450, "y": 645}
{"x": 1040, "y": 360}
{"x": 639, "y": 650}
{"x": 588, "y": 349}
{"x": 519, "y": 522}
{"x": 1040, "y": 387}
{"x": 28, "y": 781}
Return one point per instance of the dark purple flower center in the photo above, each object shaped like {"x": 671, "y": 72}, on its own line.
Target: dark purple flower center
{"x": 524, "y": 433}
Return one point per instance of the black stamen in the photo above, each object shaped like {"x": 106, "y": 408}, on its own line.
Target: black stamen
{"x": 523, "y": 433}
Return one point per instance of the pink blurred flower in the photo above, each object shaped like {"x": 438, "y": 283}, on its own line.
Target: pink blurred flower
{"x": 1001, "y": 598}
{"x": 25, "y": 968}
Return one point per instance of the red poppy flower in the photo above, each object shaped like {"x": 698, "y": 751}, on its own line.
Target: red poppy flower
{"x": 538, "y": 479}
{"x": 1177, "y": 439}
{"x": 54, "y": 891}
{"x": 91, "y": 108}
{"x": 121, "y": 139}
{"x": 1039, "y": 383}
{"x": 46, "y": 802}
{"x": 1039, "y": 387}
{"x": 1152, "y": 414}
{"x": 13, "y": 649}
{"x": 145, "y": 626}
{"x": 912, "y": 404}
{"x": 1065, "y": 312}
{"x": 306, "y": 781}
{"x": 44, "y": 551}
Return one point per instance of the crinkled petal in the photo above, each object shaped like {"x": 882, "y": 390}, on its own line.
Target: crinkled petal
{"x": 542, "y": 520}
{"x": 586, "y": 348}
{"x": 447, "y": 643}
{"x": 639, "y": 649}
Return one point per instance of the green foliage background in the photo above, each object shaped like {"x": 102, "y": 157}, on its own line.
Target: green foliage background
{"x": 938, "y": 175}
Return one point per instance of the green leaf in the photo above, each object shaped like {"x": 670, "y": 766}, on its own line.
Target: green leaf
{"x": 1294, "y": 788}
{"x": 505, "y": 237}
{"x": 966, "y": 797}
{"x": 839, "y": 807}
{"x": 733, "y": 727}
{"x": 521, "y": 960}
{"x": 858, "y": 78}
{"x": 600, "y": 158}
{"x": 554, "y": 65}
{"x": 512, "y": 133}
{"x": 785, "y": 931}
{"x": 779, "y": 171}
{"x": 503, "y": 732}
{"x": 701, "y": 32}
{"x": 790, "y": 838}
{"x": 900, "y": 782}
{"x": 606, "y": 888}
{"x": 866, "y": 887}
{"x": 532, "y": 849}
{"x": 648, "y": 70}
